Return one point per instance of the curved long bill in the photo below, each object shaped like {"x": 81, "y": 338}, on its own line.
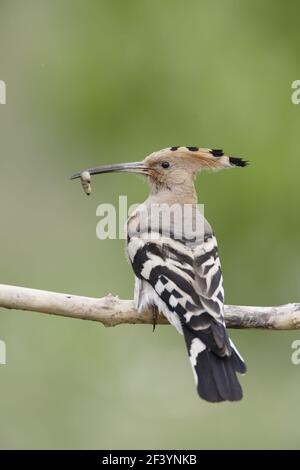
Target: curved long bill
{"x": 135, "y": 167}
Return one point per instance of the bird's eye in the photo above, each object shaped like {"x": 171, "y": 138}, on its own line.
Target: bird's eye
{"x": 165, "y": 164}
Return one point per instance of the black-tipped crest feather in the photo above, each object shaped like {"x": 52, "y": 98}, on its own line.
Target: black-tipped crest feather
{"x": 235, "y": 161}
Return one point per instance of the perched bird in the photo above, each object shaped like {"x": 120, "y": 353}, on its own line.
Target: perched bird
{"x": 177, "y": 269}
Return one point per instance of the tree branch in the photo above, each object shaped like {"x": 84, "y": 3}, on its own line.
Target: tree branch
{"x": 111, "y": 311}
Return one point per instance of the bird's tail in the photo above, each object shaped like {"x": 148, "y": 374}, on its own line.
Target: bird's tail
{"x": 216, "y": 377}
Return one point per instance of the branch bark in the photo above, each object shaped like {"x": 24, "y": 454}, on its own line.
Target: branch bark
{"x": 112, "y": 311}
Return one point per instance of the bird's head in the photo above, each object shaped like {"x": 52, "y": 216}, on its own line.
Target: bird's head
{"x": 173, "y": 166}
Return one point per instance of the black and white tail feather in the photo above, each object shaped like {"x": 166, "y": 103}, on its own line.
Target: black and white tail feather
{"x": 185, "y": 283}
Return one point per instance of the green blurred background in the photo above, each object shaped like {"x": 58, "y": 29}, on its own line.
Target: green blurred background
{"x": 94, "y": 82}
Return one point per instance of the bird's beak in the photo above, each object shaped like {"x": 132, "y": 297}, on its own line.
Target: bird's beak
{"x": 136, "y": 167}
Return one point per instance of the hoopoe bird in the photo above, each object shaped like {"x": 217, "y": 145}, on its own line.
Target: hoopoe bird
{"x": 177, "y": 268}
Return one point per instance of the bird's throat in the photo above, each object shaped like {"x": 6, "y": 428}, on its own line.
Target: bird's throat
{"x": 181, "y": 193}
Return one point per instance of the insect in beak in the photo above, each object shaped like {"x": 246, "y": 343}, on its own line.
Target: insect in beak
{"x": 85, "y": 175}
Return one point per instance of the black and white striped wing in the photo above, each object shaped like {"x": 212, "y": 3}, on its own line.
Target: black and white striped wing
{"x": 187, "y": 288}
{"x": 187, "y": 284}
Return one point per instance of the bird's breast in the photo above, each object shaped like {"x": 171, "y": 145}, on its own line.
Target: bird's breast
{"x": 181, "y": 222}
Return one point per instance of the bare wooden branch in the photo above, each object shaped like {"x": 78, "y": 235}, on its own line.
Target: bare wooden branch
{"x": 112, "y": 311}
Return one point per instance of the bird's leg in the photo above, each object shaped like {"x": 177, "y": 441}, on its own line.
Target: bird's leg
{"x": 154, "y": 311}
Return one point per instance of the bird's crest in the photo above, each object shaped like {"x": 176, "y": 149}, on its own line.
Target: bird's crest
{"x": 208, "y": 158}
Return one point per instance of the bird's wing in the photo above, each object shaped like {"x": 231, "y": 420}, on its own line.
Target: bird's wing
{"x": 187, "y": 288}
{"x": 188, "y": 285}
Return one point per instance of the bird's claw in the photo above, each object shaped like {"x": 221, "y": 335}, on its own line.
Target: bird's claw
{"x": 154, "y": 318}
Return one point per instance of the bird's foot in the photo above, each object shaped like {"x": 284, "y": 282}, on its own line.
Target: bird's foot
{"x": 154, "y": 317}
